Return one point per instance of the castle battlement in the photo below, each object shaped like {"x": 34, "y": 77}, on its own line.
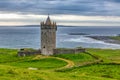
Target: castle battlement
{"x": 50, "y": 26}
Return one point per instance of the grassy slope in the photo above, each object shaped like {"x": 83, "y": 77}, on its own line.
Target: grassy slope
{"x": 109, "y": 69}
{"x": 115, "y": 37}
{"x": 47, "y": 63}
{"x": 18, "y": 68}
{"x": 77, "y": 58}
{"x": 9, "y": 55}
{"x": 106, "y": 54}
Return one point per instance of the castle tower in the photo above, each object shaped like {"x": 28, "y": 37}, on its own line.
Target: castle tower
{"x": 48, "y": 37}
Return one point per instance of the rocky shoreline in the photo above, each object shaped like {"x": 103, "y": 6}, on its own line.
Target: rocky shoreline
{"x": 106, "y": 39}
{"x": 78, "y": 34}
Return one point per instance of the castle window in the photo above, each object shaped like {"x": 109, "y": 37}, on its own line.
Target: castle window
{"x": 44, "y": 47}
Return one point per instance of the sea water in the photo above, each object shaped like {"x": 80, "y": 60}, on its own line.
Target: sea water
{"x": 29, "y": 37}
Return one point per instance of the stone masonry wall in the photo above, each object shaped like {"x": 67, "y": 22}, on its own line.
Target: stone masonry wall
{"x": 28, "y": 53}
{"x": 55, "y": 51}
{"x": 68, "y": 51}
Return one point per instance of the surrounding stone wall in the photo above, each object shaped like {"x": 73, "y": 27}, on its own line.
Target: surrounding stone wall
{"x": 80, "y": 50}
{"x": 23, "y": 52}
{"x": 68, "y": 51}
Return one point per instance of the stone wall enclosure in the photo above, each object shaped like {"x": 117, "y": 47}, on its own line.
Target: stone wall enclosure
{"x": 68, "y": 51}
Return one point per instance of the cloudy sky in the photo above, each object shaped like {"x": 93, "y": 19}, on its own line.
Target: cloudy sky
{"x": 64, "y": 12}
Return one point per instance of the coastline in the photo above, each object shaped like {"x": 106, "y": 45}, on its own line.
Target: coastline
{"x": 107, "y": 39}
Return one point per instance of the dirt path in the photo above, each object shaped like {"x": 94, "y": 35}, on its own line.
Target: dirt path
{"x": 69, "y": 62}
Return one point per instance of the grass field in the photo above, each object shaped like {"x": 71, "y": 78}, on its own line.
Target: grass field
{"x": 115, "y": 37}
{"x": 77, "y": 58}
{"x": 13, "y": 67}
{"x": 106, "y": 54}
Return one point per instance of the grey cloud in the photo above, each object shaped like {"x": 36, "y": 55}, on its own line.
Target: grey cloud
{"x": 74, "y": 7}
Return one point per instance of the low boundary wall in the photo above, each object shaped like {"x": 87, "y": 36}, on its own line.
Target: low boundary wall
{"x": 68, "y": 51}
{"x": 24, "y": 52}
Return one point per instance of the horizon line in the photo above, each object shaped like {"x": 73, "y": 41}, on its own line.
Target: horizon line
{"x": 57, "y": 25}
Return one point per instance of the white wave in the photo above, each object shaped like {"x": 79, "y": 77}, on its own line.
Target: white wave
{"x": 83, "y": 40}
{"x": 91, "y": 41}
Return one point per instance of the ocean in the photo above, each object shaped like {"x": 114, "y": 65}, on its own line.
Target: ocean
{"x": 29, "y": 37}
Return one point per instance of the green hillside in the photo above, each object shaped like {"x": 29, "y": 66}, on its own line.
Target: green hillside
{"x": 95, "y": 64}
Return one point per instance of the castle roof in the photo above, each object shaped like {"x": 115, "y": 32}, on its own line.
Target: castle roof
{"x": 48, "y": 21}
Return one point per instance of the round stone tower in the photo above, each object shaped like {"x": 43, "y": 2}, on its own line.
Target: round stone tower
{"x": 48, "y": 37}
